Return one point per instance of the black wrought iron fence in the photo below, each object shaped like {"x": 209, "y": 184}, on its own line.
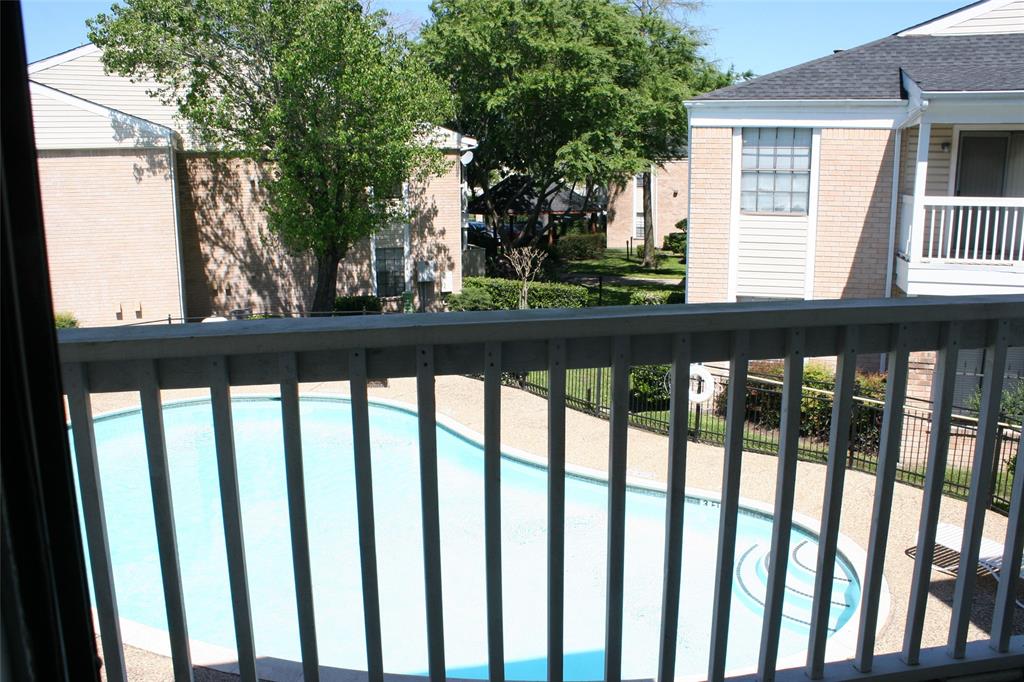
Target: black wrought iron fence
{"x": 588, "y": 390}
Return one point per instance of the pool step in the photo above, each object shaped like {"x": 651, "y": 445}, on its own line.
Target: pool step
{"x": 752, "y": 579}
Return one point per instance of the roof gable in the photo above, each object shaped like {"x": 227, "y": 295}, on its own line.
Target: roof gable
{"x": 987, "y": 17}
{"x": 63, "y": 121}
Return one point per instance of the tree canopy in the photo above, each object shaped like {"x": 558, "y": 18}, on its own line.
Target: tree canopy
{"x": 566, "y": 91}
{"x": 338, "y": 105}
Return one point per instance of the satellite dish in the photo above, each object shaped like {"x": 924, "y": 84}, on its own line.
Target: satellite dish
{"x": 466, "y": 158}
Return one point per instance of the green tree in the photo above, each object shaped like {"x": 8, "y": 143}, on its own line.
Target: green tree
{"x": 568, "y": 92}
{"x": 544, "y": 86}
{"x": 670, "y": 72}
{"x": 332, "y": 101}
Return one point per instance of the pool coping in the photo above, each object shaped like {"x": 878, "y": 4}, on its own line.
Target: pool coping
{"x": 841, "y": 645}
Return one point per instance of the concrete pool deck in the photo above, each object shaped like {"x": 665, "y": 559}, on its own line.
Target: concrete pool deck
{"x": 524, "y": 427}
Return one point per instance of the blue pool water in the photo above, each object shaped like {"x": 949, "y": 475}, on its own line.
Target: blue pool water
{"x": 327, "y": 443}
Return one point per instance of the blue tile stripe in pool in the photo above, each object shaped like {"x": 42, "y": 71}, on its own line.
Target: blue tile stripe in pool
{"x": 327, "y": 446}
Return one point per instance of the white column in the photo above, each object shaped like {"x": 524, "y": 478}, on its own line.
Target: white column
{"x": 920, "y": 179}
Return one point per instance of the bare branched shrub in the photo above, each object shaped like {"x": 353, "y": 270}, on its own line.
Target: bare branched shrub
{"x": 526, "y": 262}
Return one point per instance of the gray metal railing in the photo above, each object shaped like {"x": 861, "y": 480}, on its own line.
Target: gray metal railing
{"x": 293, "y": 351}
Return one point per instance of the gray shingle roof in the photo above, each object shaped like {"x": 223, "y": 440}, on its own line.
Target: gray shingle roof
{"x": 872, "y": 71}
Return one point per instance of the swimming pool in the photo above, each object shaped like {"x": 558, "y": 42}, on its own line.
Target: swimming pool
{"x": 330, "y": 490}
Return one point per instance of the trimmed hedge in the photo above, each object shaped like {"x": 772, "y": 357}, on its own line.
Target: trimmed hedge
{"x": 675, "y": 242}
{"x": 504, "y": 293}
{"x": 345, "y": 304}
{"x": 470, "y": 298}
{"x": 581, "y": 246}
{"x": 642, "y": 297}
{"x": 65, "y": 321}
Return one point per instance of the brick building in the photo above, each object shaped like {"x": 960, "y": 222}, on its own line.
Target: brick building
{"x": 669, "y": 204}
{"x": 142, "y": 224}
{"x": 811, "y": 183}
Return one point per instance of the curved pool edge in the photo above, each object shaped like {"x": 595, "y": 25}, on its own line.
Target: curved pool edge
{"x": 841, "y": 645}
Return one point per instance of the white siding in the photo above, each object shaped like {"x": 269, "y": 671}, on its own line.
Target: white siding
{"x": 1007, "y": 18}
{"x": 60, "y": 124}
{"x": 772, "y": 257}
{"x": 84, "y": 77}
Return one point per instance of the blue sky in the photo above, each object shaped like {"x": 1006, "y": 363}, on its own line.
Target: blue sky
{"x": 760, "y": 35}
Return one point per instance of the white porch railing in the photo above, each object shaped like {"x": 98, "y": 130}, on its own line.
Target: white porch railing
{"x": 287, "y": 352}
{"x": 979, "y": 230}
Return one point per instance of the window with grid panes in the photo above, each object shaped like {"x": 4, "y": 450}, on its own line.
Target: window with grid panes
{"x": 389, "y": 248}
{"x": 776, "y": 170}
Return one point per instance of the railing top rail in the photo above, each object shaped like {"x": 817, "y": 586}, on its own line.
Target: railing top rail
{"x": 390, "y": 331}
{"x": 994, "y": 202}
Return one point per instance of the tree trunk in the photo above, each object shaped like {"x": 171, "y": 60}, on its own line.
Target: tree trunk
{"x": 649, "y": 261}
{"x": 326, "y": 288}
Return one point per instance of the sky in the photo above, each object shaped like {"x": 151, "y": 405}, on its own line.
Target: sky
{"x": 759, "y": 35}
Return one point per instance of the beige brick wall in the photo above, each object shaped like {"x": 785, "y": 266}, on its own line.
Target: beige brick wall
{"x": 619, "y": 229}
{"x": 707, "y": 270}
{"x": 854, "y": 198}
{"x": 671, "y": 199}
{"x": 109, "y": 224}
{"x": 436, "y": 234}
{"x": 233, "y": 261}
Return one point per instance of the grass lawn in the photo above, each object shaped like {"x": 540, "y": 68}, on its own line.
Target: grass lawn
{"x": 618, "y": 294}
{"x": 615, "y": 263}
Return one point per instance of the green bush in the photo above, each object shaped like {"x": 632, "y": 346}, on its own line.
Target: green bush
{"x": 764, "y": 403}
{"x": 648, "y": 389}
{"x": 65, "y": 321}
{"x": 646, "y": 297}
{"x": 504, "y": 293}
{"x": 581, "y": 246}
{"x": 470, "y": 298}
{"x": 370, "y": 304}
{"x": 675, "y": 242}
{"x": 1011, "y": 405}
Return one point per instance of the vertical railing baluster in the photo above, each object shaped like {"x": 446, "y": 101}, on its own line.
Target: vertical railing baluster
{"x": 952, "y": 212}
{"x": 295, "y": 480}
{"x": 675, "y": 504}
{"x": 931, "y": 231}
{"x": 959, "y": 230}
{"x": 492, "y": 510}
{"x": 1006, "y": 593}
{"x": 426, "y": 408}
{"x": 981, "y": 485}
{"x": 972, "y": 233}
{"x": 364, "y": 511}
{"x": 943, "y": 385}
{"x": 76, "y": 384}
{"x": 556, "y": 508}
{"x": 163, "y": 515}
{"x": 832, "y": 505}
{"x": 728, "y": 514}
{"x": 1004, "y": 214}
{"x": 618, "y": 425}
{"x": 231, "y": 509}
{"x": 984, "y": 235}
{"x": 785, "y": 491}
{"x": 885, "y": 480}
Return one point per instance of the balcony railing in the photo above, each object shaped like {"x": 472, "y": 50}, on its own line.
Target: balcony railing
{"x": 288, "y": 352}
{"x": 969, "y": 230}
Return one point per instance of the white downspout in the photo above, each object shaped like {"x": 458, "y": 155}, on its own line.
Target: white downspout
{"x": 893, "y": 206}
{"x": 689, "y": 203}
{"x": 177, "y": 226}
